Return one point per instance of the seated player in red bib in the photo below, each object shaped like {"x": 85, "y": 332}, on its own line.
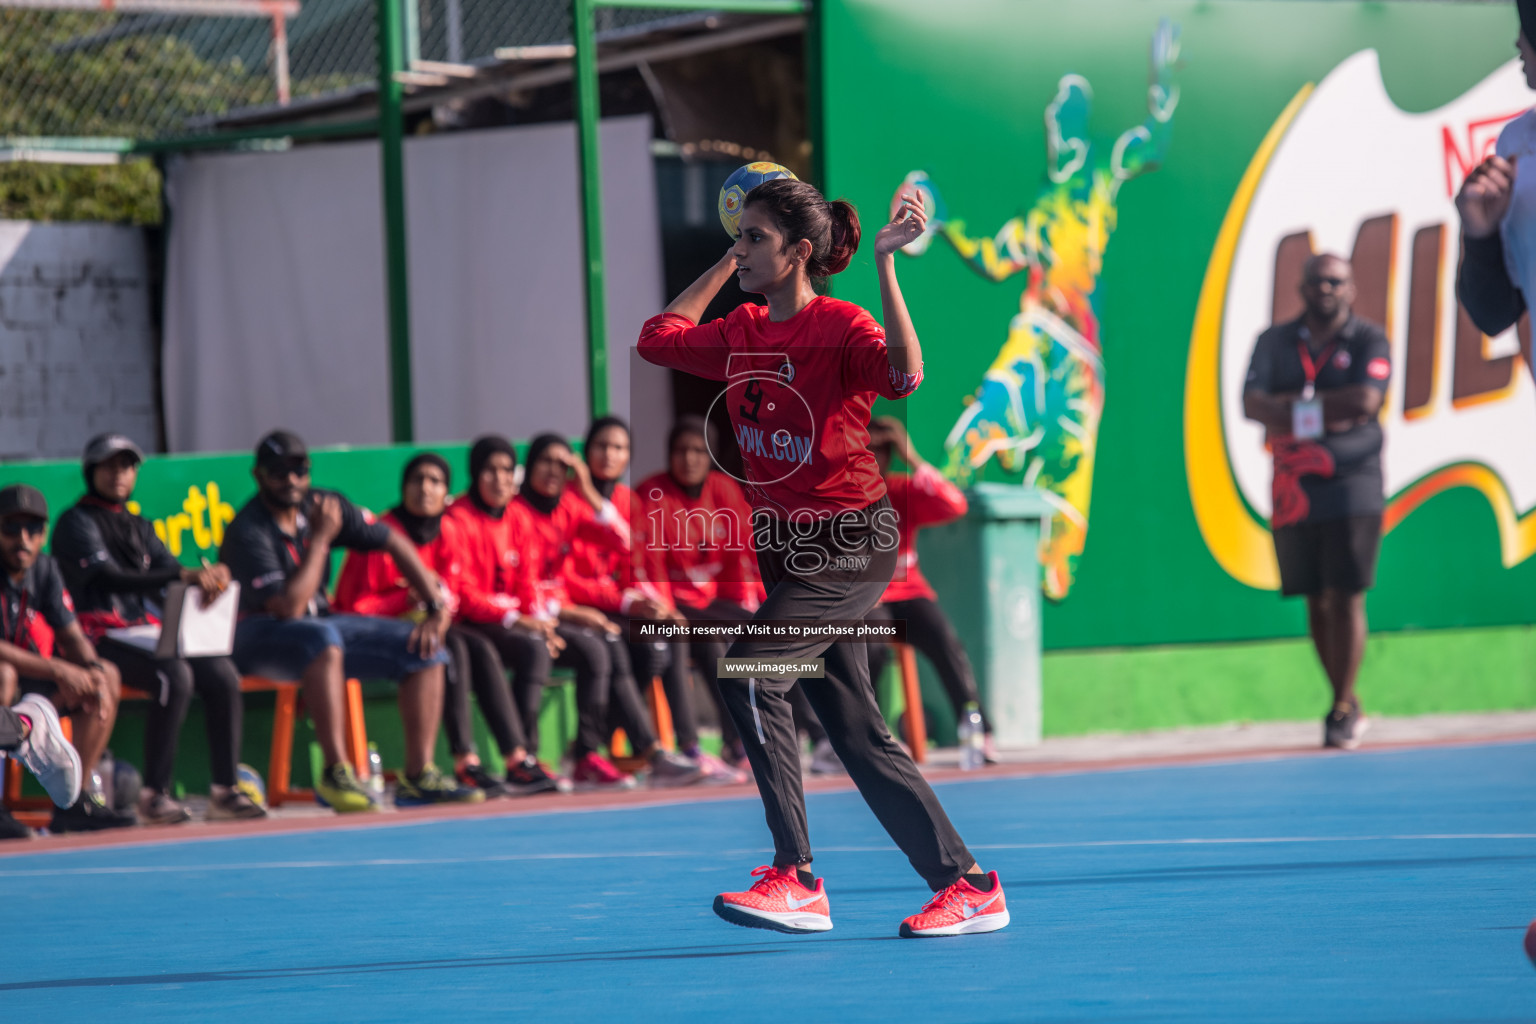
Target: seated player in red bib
{"x": 372, "y": 584}
{"x": 697, "y": 527}
{"x": 632, "y": 585}
{"x": 921, "y": 498}
{"x": 799, "y": 377}
{"x": 555, "y": 517}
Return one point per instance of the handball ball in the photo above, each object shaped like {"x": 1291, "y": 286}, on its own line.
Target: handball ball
{"x": 248, "y": 781}
{"x": 733, "y": 194}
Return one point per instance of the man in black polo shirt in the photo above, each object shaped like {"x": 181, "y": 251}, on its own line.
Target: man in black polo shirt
{"x": 279, "y": 550}
{"x": 1317, "y": 384}
{"x": 43, "y": 651}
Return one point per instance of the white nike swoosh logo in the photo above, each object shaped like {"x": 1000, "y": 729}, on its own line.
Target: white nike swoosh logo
{"x": 970, "y": 911}
{"x": 795, "y": 904}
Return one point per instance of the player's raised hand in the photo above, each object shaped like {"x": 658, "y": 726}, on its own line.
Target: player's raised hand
{"x": 1484, "y": 196}
{"x": 908, "y": 221}
{"x": 918, "y": 183}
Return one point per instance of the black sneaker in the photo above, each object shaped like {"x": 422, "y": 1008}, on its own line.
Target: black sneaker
{"x": 433, "y": 787}
{"x": 475, "y": 775}
{"x": 10, "y": 828}
{"x": 1344, "y": 726}
{"x": 88, "y": 814}
{"x": 529, "y": 778}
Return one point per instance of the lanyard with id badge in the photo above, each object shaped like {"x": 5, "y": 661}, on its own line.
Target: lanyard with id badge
{"x": 1307, "y": 411}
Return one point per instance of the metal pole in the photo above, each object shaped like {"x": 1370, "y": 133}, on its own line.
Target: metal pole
{"x": 585, "y": 84}
{"x": 411, "y": 12}
{"x": 815, "y": 118}
{"x": 392, "y": 173}
{"x": 455, "y": 32}
{"x": 280, "y": 56}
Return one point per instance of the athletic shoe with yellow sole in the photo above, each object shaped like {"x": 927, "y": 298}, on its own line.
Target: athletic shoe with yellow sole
{"x": 778, "y": 902}
{"x": 339, "y": 790}
{"x": 961, "y": 909}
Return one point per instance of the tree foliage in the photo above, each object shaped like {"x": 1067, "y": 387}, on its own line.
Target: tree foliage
{"x": 64, "y": 75}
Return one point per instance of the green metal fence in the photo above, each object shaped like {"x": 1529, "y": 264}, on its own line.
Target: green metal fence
{"x": 100, "y": 81}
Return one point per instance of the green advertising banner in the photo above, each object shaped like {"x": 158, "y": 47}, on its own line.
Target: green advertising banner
{"x": 1123, "y": 194}
{"x": 192, "y": 498}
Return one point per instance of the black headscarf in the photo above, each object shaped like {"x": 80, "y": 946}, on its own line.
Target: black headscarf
{"x": 536, "y": 449}
{"x": 690, "y": 425}
{"x": 422, "y": 530}
{"x": 1527, "y": 11}
{"x": 479, "y": 455}
{"x": 604, "y": 487}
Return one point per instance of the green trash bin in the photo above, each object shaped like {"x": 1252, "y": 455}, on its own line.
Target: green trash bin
{"x": 985, "y": 568}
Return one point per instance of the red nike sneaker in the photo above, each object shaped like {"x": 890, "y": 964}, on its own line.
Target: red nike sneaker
{"x": 779, "y": 902}
{"x": 961, "y": 909}
{"x": 594, "y": 771}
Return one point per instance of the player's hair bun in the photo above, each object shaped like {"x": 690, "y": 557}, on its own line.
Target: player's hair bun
{"x": 801, "y": 212}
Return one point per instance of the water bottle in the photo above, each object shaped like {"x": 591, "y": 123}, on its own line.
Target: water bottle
{"x": 375, "y": 772}
{"x": 972, "y": 738}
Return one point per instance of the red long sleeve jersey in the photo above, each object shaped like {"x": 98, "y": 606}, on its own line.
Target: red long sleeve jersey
{"x": 702, "y": 546}
{"x": 600, "y": 574}
{"x": 923, "y": 499}
{"x": 552, "y": 537}
{"x": 372, "y": 584}
{"x": 494, "y": 579}
{"x": 799, "y": 395}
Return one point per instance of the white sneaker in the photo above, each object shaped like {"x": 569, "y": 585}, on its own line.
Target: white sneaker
{"x": 46, "y": 753}
{"x": 824, "y": 760}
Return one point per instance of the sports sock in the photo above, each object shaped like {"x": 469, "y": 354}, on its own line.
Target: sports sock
{"x": 978, "y": 881}
{"x": 27, "y": 725}
{"x": 807, "y": 879}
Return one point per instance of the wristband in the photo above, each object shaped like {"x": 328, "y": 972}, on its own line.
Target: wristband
{"x": 433, "y": 606}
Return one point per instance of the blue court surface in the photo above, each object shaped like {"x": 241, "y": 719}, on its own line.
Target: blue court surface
{"x": 1376, "y": 887}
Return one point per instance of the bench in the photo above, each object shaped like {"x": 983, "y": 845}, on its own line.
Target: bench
{"x": 35, "y": 810}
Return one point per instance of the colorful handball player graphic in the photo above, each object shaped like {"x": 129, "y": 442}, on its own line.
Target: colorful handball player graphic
{"x": 1038, "y": 407}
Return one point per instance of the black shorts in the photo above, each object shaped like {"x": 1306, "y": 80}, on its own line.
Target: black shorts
{"x": 1336, "y": 555}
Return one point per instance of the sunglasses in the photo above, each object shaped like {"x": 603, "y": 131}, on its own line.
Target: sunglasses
{"x": 1337, "y": 282}
{"x": 16, "y": 527}
{"x": 287, "y": 469}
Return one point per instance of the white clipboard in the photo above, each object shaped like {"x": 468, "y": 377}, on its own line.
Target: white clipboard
{"x": 188, "y": 630}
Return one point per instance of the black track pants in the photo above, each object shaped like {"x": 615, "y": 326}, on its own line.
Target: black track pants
{"x": 707, "y": 655}
{"x": 670, "y": 662}
{"x": 845, "y": 701}
{"x": 603, "y": 674}
{"x": 627, "y": 708}
{"x": 481, "y": 654}
{"x": 170, "y": 683}
{"x": 931, "y": 635}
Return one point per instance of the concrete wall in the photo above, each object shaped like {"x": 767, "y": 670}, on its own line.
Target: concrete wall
{"x": 77, "y": 347}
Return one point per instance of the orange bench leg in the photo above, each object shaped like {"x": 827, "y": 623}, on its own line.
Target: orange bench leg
{"x": 914, "y": 725}
{"x": 12, "y": 782}
{"x": 661, "y": 714}
{"x": 357, "y": 729}
{"x": 280, "y": 764}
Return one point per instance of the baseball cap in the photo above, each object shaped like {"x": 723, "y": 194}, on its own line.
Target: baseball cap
{"x": 103, "y": 446}
{"x": 280, "y": 448}
{"x": 22, "y": 500}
